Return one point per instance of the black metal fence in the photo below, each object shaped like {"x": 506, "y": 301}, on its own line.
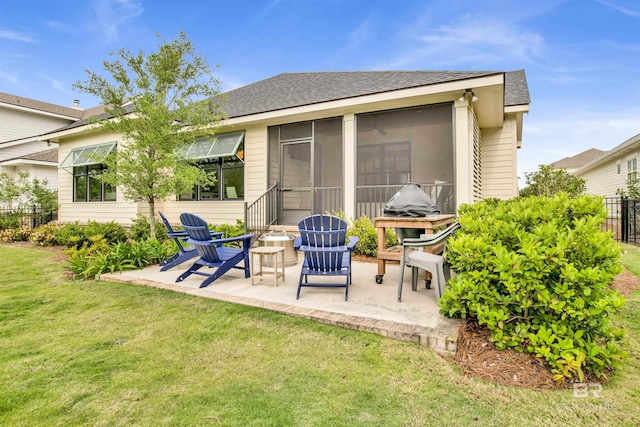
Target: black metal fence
{"x": 31, "y": 218}
{"x": 624, "y": 219}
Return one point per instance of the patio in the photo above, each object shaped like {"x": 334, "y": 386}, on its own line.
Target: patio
{"x": 371, "y": 307}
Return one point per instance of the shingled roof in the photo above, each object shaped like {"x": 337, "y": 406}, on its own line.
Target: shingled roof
{"x": 45, "y": 107}
{"x": 50, "y": 156}
{"x": 289, "y": 90}
{"x": 579, "y": 160}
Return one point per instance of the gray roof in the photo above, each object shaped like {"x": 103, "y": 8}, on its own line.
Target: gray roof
{"x": 289, "y": 90}
{"x": 516, "y": 89}
{"x": 578, "y": 160}
{"x": 33, "y": 104}
{"x": 50, "y": 155}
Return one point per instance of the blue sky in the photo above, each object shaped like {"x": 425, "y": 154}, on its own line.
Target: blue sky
{"x": 581, "y": 57}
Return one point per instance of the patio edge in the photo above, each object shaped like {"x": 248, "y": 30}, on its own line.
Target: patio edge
{"x": 442, "y": 339}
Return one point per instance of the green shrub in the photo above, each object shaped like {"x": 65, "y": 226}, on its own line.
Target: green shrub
{"x": 77, "y": 235}
{"x": 367, "y": 233}
{"x": 141, "y": 229}
{"x": 101, "y": 257}
{"x": 46, "y": 235}
{"x": 536, "y": 271}
{"x": 18, "y": 234}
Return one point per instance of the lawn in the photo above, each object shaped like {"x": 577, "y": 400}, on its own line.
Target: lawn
{"x": 109, "y": 354}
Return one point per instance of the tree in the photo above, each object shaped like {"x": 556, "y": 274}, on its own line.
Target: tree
{"x": 632, "y": 191}
{"x": 547, "y": 181}
{"x": 159, "y": 103}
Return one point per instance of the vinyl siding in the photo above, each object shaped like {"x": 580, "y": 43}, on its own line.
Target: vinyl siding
{"x": 20, "y": 150}
{"x": 499, "y": 174}
{"x": 20, "y": 124}
{"x": 120, "y": 211}
{"x": 255, "y": 179}
{"x": 604, "y": 180}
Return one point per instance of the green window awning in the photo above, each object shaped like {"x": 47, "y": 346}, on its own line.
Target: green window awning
{"x": 85, "y": 156}
{"x": 221, "y": 145}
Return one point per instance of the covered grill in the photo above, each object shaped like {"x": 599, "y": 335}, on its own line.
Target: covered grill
{"x": 411, "y": 202}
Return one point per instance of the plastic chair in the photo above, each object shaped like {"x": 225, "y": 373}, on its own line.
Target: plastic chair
{"x": 211, "y": 251}
{"x": 424, "y": 241}
{"x": 183, "y": 254}
{"x": 326, "y": 253}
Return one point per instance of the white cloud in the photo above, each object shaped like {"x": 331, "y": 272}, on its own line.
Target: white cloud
{"x": 111, "y": 15}
{"x": 624, "y": 10}
{"x": 484, "y": 41}
{"x": 14, "y": 36}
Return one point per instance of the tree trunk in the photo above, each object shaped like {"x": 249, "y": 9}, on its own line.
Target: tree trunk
{"x": 152, "y": 219}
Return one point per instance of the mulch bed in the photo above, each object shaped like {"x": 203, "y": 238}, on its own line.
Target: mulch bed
{"x": 478, "y": 357}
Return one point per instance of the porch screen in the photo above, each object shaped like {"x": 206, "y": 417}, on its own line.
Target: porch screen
{"x": 399, "y": 146}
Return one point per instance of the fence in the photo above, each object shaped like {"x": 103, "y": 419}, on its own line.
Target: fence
{"x": 31, "y": 218}
{"x": 624, "y": 219}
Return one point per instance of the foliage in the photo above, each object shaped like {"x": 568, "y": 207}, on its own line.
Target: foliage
{"x": 159, "y": 103}
{"x": 632, "y": 191}
{"x": 367, "y": 233}
{"x": 47, "y": 234}
{"x": 78, "y": 235}
{"x": 20, "y": 192}
{"x": 101, "y": 257}
{"x": 229, "y": 230}
{"x": 141, "y": 228}
{"x": 536, "y": 271}
{"x": 547, "y": 181}
{"x": 16, "y": 234}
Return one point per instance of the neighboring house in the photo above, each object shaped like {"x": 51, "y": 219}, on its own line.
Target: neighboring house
{"x": 573, "y": 163}
{"x": 20, "y": 120}
{"x": 611, "y": 171}
{"x": 42, "y": 165}
{"x": 331, "y": 141}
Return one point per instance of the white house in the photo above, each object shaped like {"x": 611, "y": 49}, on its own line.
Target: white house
{"x": 21, "y": 119}
{"x": 329, "y": 141}
{"x": 611, "y": 171}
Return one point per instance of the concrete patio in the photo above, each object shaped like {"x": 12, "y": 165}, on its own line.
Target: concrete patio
{"x": 371, "y": 307}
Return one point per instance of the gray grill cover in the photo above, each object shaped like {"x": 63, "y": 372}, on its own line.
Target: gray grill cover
{"x": 411, "y": 201}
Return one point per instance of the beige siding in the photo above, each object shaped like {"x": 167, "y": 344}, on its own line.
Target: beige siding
{"x": 499, "y": 174}
{"x": 120, "y": 211}
{"x": 18, "y": 124}
{"x": 255, "y": 184}
{"x": 604, "y": 180}
{"x": 20, "y": 150}
{"x": 41, "y": 172}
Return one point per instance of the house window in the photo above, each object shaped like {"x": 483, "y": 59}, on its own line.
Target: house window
{"x": 619, "y": 168}
{"x": 88, "y": 187}
{"x": 223, "y": 156}
{"x": 632, "y": 170}
{"x": 86, "y": 166}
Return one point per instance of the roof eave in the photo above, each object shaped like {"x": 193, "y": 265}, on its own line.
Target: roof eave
{"x": 628, "y": 145}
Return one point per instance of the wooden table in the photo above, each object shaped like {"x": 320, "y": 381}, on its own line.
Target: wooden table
{"x": 262, "y": 251}
{"x": 394, "y": 253}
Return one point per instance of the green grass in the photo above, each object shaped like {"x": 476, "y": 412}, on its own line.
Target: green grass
{"x": 107, "y": 354}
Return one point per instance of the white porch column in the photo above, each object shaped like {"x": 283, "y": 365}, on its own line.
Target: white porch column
{"x": 463, "y": 149}
{"x": 349, "y": 166}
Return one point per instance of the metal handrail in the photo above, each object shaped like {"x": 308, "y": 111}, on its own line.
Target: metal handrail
{"x": 262, "y": 213}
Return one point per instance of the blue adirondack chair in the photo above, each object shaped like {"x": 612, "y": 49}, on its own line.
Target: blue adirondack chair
{"x": 211, "y": 251}
{"x": 326, "y": 253}
{"x": 184, "y": 253}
